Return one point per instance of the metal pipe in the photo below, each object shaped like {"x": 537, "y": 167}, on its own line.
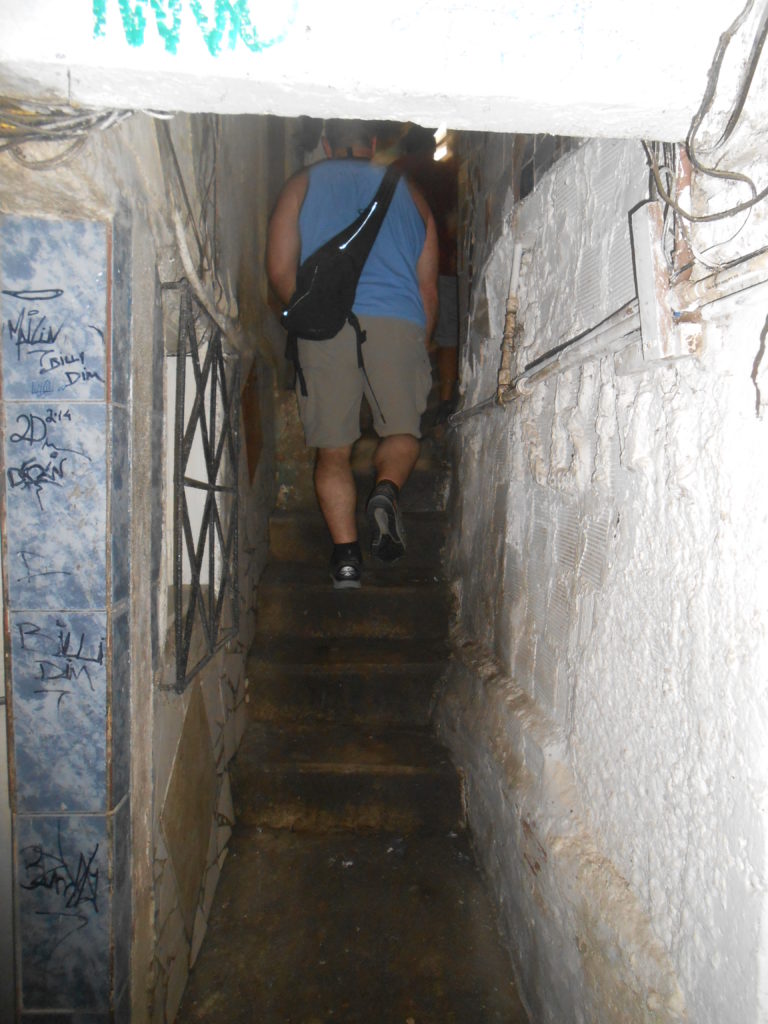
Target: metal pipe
{"x": 619, "y": 327}
{"x": 738, "y": 277}
{"x": 474, "y": 410}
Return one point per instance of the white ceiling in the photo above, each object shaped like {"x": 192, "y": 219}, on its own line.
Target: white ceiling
{"x": 571, "y": 67}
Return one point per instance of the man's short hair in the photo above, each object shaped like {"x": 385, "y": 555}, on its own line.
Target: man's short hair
{"x": 342, "y": 133}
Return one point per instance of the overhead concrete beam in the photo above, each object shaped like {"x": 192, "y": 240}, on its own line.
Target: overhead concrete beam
{"x": 568, "y": 67}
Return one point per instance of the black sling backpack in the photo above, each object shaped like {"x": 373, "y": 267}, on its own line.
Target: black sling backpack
{"x": 326, "y": 281}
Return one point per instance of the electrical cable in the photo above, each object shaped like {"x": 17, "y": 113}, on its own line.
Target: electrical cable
{"x": 33, "y": 122}
{"x": 713, "y": 77}
{"x": 702, "y": 218}
{"x": 17, "y": 154}
{"x": 30, "y": 121}
{"x": 728, "y": 264}
{"x": 668, "y": 226}
{"x": 203, "y": 270}
{"x": 164, "y": 132}
{"x": 751, "y": 67}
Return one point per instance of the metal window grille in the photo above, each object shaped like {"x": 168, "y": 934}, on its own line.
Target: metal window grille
{"x": 206, "y": 459}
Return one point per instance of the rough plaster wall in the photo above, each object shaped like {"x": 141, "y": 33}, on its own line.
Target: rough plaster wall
{"x": 608, "y": 704}
{"x": 121, "y": 170}
{"x": 197, "y": 733}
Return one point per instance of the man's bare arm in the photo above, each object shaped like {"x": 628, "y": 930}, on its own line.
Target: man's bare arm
{"x": 283, "y": 239}
{"x": 427, "y": 266}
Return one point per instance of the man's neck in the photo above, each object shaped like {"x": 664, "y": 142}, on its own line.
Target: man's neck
{"x": 352, "y": 152}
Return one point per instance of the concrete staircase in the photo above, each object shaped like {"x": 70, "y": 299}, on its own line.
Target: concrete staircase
{"x": 351, "y": 889}
{"x": 343, "y": 681}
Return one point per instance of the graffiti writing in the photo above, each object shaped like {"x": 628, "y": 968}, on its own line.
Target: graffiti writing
{"x": 67, "y": 923}
{"x": 32, "y": 332}
{"x": 36, "y": 333}
{"x": 45, "y": 470}
{"x": 62, "y": 645}
{"x": 32, "y": 475}
{"x": 76, "y": 884}
{"x": 64, "y": 661}
{"x": 222, "y": 24}
{"x": 36, "y": 568}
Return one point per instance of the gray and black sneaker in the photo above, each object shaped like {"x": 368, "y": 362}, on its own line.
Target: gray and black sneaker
{"x": 387, "y": 530}
{"x": 346, "y": 566}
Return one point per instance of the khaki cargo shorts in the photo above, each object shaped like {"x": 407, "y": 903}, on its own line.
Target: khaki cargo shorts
{"x": 398, "y": 368}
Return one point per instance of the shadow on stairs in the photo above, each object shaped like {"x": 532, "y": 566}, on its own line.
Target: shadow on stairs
{"x": 350, "y": 892}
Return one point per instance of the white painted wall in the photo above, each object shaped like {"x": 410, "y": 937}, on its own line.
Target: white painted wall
{"x": 590, "y": 68}
{"x": 610, "y": 708}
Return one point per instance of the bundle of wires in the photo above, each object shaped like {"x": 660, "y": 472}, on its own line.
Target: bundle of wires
{"x": 658, "y": 169}
{"x": 25, "y": 121}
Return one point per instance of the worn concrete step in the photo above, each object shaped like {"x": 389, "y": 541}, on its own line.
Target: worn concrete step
{"x": 357, "y": 654}
{"x": 366, "y": 680}
{"x": 329, "y": 778}
{"x": 299, "y": 600}
{"x": 378, "y": 929}
{"x": 377, "y": 697}
{"x": 300, "y": 535}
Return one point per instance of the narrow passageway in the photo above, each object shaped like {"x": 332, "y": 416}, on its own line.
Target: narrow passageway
{"x": 351, "y": 892}
{"x": 571, "y": 755}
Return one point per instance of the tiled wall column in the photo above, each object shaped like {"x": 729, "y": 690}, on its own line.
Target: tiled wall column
{"x": 66, "y": 502}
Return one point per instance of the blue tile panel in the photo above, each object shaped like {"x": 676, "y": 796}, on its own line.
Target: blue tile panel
{"x": 59, "y": 677}
{"x": 55, "y": 481}
{"x": 64, "y": 450}
{"x": 63, "y": 899}
{"x": 53, "y": 309}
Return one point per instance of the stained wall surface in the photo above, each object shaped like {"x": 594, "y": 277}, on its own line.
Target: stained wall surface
{"x": 113, "y": 769}
{"x": 607, "y": 701}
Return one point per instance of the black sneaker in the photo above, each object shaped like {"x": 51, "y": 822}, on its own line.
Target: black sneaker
{"x": 346, "y": 566}
{"x": 387, "y": 530}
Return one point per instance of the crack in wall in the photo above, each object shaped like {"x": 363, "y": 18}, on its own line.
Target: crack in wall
{"x": 756, "y": 368}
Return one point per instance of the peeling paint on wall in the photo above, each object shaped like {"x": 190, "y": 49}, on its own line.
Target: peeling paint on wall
{"x": 625, "y": 717}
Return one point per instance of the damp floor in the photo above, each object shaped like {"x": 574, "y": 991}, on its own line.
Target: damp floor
{"x": 381, "y": 929}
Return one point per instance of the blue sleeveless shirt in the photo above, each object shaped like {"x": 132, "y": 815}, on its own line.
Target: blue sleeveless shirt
{"x": 338, "y": 191}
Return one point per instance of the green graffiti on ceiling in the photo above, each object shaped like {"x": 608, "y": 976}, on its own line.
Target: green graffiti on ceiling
{"x": 228, "y": 21}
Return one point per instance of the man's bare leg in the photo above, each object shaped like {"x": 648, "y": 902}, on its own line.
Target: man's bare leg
{"x": 336, "y": 493}
{"x": 394, "y": 459}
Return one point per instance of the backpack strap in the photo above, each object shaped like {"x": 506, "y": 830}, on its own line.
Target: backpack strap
{"x": 292, "y": 353}
{"x": 367, "y": 225}
{"x": 360, "y": 335}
